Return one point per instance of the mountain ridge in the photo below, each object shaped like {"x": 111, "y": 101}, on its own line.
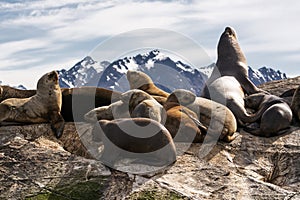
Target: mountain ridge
{"x": 164, "y": 71}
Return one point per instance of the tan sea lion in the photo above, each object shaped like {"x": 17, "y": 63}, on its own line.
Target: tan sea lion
{"x": 140, "y": 80}
{"x": 44, "y": 106}
{"x": 217, "y": 118}
{"x": 275, "y": 119}
{"x": 231, "y": 62}
{"x": 140, "y": 138}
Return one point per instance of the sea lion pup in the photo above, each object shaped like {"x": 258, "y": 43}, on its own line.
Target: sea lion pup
{"x": 217, "y": 118}
{"x": 141, "y": 138}
{"x": 275, "y": 119}
{"x": 295, "y": 105}
{"x": 140, "y": 80}
{"x": 7, "y": 92}
{"x": 44, "y": 106}
{"x": 76, "y": 102}
{"x": 231, "y": 62}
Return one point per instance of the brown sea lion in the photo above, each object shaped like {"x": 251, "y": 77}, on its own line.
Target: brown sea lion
{"x": 180, "y": 122}
{"x": 231, "y": 62}
{"x": 275, "y": 119}
{"x": 140, "y": 138}
{"x": 217, "y": 118}
{"x": 44, "y": 106}
{"x": 7, "y": 92}
{"x": 140, "y": 80}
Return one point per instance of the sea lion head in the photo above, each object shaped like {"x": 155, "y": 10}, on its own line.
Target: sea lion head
{"x": 137, "y": 79}
{"x": 48, "y": 80}
{"x": 229, "y": 48}
{"x": 181, "y": 96}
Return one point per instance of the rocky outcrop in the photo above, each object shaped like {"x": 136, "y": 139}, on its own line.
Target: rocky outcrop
{"x": 35, "y": 165}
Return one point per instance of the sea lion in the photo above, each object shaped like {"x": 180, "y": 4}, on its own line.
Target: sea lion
{"x": 149, "y": 109}
{"x": 115, "y": 110}
{"x": 133, "y": 103}
{"x": 44, "y": 106}
{"x": 140, "y": 80}
{"x": 276, "y": 118}
{"x": 295, "y": 105}
{"x": 140, "y": 138}
{"x": 183, "y": 124}
{"x": 216, "y": 117}
{"x": 81, "y": 99}
{"x": 7, "y": 92}
{"x": 231, "y": 62}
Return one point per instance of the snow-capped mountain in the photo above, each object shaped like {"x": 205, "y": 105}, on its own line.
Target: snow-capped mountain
{"x": 260, "y": 76}
{"x": 165, "y": 72}
{"x": 264, "y": 74}
{"x": 81, "y": 72}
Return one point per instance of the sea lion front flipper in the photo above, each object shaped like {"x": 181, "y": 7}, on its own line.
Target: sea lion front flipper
{"x": 57, "y": 123}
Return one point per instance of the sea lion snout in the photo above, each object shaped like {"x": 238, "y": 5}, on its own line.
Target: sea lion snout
{"x": 230, "y": 31}
{"x": 53, "y": 76}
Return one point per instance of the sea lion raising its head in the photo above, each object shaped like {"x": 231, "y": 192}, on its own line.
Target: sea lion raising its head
{"x": 231, "y": 62}
{"x": 44, "y": 106}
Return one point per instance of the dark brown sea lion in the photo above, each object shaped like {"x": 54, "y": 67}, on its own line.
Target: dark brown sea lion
{"x": 140, "y": 80}
{"x": 140, "y": 138}
{"x": 7, "y": 92}
{"x": 44, "y": 106}
{"x": 217, "y": 118}
{"x": 275, "y": 119}
{"x": 231, "y": 62}
{"x": 76, "y": 102}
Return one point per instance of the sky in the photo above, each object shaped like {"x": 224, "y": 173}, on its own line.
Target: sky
{"x": 37, "y": 36}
